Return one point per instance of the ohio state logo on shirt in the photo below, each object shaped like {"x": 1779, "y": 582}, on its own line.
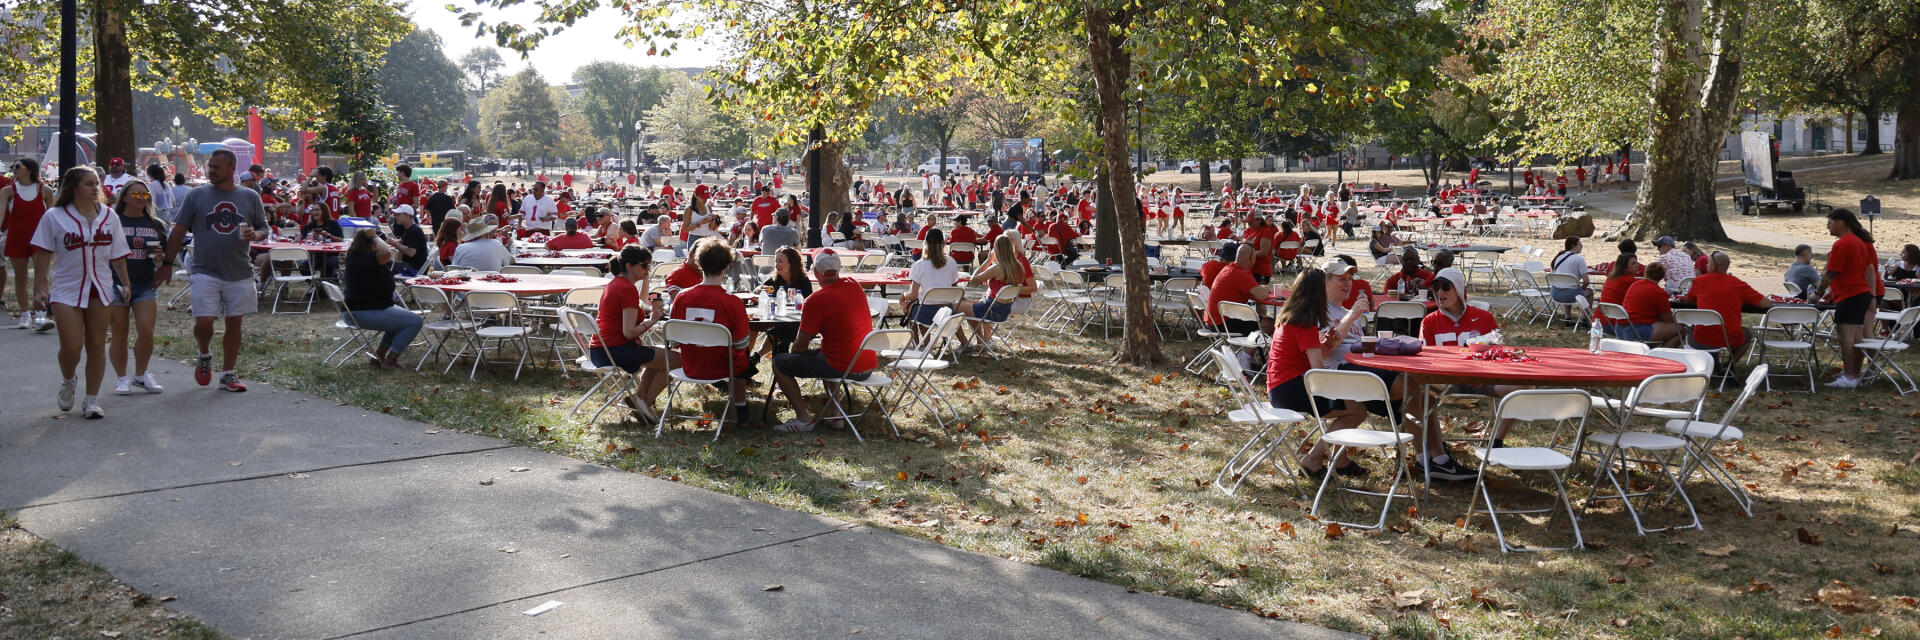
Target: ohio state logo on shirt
{"x": 225, "y": 218}
{"x": 73, "y": 241}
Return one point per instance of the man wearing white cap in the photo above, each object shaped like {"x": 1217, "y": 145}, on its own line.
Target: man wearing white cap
{"x": 838, "y": 313}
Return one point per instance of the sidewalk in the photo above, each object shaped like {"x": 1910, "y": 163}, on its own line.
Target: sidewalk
{"x": 273, "y": 514}
{"x": 1618, "y": 204}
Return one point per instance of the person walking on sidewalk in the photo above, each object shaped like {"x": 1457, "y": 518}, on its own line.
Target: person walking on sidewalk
{"x": 145, "y": 235}
{"x": 21, "y": 205}
{"x": 82, "y": 240}
{"x": 224, "y": 220}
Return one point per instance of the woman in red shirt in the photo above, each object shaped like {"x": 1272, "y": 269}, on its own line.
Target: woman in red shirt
{"x": 1853, "y": 275}
{"x": 1307, "y": 336}
{"x": 622, "y": 319}
{"x": 1650, "y": 310}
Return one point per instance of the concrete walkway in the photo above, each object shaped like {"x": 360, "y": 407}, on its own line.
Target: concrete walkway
{"x": 273, "y": 514}
{"x": 1618, "y": 204}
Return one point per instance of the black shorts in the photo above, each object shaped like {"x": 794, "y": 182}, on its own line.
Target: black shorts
{"x": 629, "y": 357}
{"x": 1237, "y": 326}
{"x": 1375, "y": 407}
{"x": 1292, "y": 394}
{"x": 1854, "y": 310}
{"x": 809, "y": 364}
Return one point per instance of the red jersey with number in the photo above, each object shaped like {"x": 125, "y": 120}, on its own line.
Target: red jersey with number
{"x": 1439, "y": 330}
{"x": 712, "y": 303}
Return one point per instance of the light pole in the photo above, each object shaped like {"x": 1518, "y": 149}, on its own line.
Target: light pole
{"x": 516, "y": 138}
{"x": 637, "y": 153}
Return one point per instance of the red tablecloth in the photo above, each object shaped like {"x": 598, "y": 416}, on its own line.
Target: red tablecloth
{"x": 324, "y": 247}
{"x": 872, "y": 279}
{"x": 526, "y": 284}
{"x": 1555, "y": 366}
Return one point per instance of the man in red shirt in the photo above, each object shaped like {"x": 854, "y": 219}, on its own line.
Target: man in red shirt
{"x": 1228, "y": 252}
{"x": 573, "y": 239}
{"x": 1235, "y": 283}
{"x": 962, "y": 233}
{"x": 1649, "y": 310}
{"x": 1451, "y": 324}
{"x": 1063, "y": 235}
{"x": 711, "y": 302}
{"x": 763, "y": 208}
{"x": 836, "y": 312}
{"x": 406, "y": 192}
{"x": 1853, "y": 275}
{"x": 1412, "y": 276}
{"x": 1718, "y": 291}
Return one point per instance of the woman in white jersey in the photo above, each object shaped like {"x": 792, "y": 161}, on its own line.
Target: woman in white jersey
{"x": 83, "y": 240}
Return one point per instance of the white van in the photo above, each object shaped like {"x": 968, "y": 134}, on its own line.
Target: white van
{"x": 955, "y": 165}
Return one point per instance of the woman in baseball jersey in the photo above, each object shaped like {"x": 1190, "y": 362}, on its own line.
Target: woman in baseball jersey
{"x": 83, "y": 241}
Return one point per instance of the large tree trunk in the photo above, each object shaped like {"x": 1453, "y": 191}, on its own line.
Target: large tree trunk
{"x": 1906, "y": 134}
{"x": 112, "y": 86}
{"x": 1849, "y": 132}
{"x": 1106, "y": 232}
{"x": 1871, "y": 121}
{"x": 833, "y": 189}
{"x": 1696, "y": 81}
{"x": 1239, "y": 173}
{"x": 1206, "y": 175}
{"x": 1111, "y": 69}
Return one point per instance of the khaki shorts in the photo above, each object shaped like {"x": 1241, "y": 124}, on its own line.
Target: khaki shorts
{"x": 215, "y": 297}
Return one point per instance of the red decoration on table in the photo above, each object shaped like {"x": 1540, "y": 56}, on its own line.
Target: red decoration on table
{"x": 495, "y": 277}
{"x": 440, "y": 281}
{"x": 1499, "y": 354}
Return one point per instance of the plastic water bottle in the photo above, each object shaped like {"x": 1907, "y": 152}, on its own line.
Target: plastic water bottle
{"x": 766, "y": 303}
{"x": 1593, "y": 336}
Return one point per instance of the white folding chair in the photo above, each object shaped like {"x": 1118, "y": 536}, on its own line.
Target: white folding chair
{"x": 358, "y": 337}
{"x": 521, "y": 270}
{"x": 1530, "y": 405}
{"x": 1880, "y": 352}
{"x": 482, "y": 307}
{"x": 1624, "y": 346}
{"x": 1004, "y": 299}
{"x": 613, "y": 380}
{"x": 1696, "y": 320}
{"x": 1701, "y": 436}
{"x": 1361, "y": 387}
{"x": 1785, "y": 335}
{"x": 690, "y": 333}
{"x": 430, "y": 301}
{"x": 917, "y": 364}
{"x": 1273, "y": 428}
{"x": 294, "y": 259}
{"x": 1563, "y": 281}
{"x": 1628, "y": 449}
{"x": 873, "y": 382}
{"x": 1403, "y": 311}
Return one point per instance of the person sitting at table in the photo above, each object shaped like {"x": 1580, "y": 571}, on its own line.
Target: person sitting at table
{"x": 962, "y": 233}
{"x": 780, "y": 234}
{"x": 1235, "y": 283}
{"x": 571, "y": 238}
{"x": 1412, "y": 276}
{"x": 1451, "y": 324}
{"x": 1619, "y": 277}
{"x": 710, "y": 301}
{"x": 1310, "y": 237}
{"x": 788, "y": 274}
{"x": 621, "y": 235}
{"x": 622, "y": 320}
{"x": 1699, "y": 257}
{"x": 1286, "y": 234}
{"x": 1063, "y": 234}
{"x": 1570, "y": 262}
{"x": 1361, "y": 292}
{"x": 1907, "y": 266}
{"x": 1720, "y": 291}
{"x": 934, "y": 269}
{"x": 1801, "y": 273}
{"x": 1649, "y": 311}
{"x": 1307, "y": 335}
{"x": 686, "y": 276}
{"x": 1211, "y": 268}
{"x": 838, "y": 314}
{"x": 1677, "y": 264}
{"x": 1442, "y": 260}
{"x": 1006, "y": 267}
{"x": 1380, "y": 245}
{"x": 447, "y": 239}
{"x": 478, "y": 249}
{"x": 369, "y": 297}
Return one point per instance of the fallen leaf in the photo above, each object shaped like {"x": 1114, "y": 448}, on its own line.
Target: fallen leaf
{"x": 1847, "y": 599}
{"x": 110, "y": 634}
{"x": 1156, "y": 379}
{"x": 1082, "y": 479}
{"x": 1405, "y": 599}
{"x": 1756, "y": 586}
{"x": 1335, "y": 532}
{"x": 1805, "y": 536}
{"x": 432, "y": 431}
{"x": 1286, "y": 528}
{"x": 1224, "y": 582}
{"x": 900, "y": 475}
{"x": 1834, "y": 631}
{"x": 1719, "y": 552}
{"x": 774, "y": 587}
{"x": 1481, "y": 598}
{"x": 298, "y": 476}
{"x": 1883, "y": 569}
{"x": 1633, "y": 561}
{"x": 1622, "y": 622}
{"x": 509, "y": 550}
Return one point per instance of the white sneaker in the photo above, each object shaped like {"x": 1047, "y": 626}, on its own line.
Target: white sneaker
{"x": 640, "y": 409}
{"x": 43, "y": 323}
{"x": 91, "y": 409}
{"x": 146, "y": 381}
{"x": 66, "y": 395}
{"x": 124, "y": 387}
{"x": 1844, "y": 382}
{"x": 26, "y": 320}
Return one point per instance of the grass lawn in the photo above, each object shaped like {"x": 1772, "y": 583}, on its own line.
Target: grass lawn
{"x": 1068, "y": 462}
{"x": 49, "y": 593}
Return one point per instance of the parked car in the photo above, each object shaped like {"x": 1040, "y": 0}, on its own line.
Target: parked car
{"x": 1192, "y": 166}
{"x": 745, "y": 168}
{"x": 955, "y": 165}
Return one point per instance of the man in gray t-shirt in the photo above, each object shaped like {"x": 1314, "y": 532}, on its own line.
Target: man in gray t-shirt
{"x": 778, "y": 234}
{"x": 225, "y": 219}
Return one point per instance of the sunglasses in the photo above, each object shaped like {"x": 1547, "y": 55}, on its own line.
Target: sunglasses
{"x": 138, "y": 195}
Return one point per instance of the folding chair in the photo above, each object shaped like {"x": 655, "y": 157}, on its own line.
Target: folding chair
{"x": 431, "y": 300}
{"x": 1197, "y": 304}
{"x": 1696, "y": 319}
{"x": 613, "y": 380}
{"x": 1793, "y": 326}
{"x": 1654, "y": 449}
{"x": 1701, "y": 436}
{"x": 1006, "y": 298}
{"x": 689, "y": 333}
{"x": 482, "y": 306}
{"x": 1880, "y": 351}
{"x": 1273, "y": 428}
{"x": 1530, "y": 405}
{"x": 1170, "y": 301}
{"x": 917, "y": 364}
{"x": 874, "y": 382}
{"x": 521, "y": 269}
{"x": 294, "y": 258}
{"x": 358, "y": 337}
{"x": 1408, "y": 313}
{"x": 1574, "y": 310}
{"x": 1362, "y": 387}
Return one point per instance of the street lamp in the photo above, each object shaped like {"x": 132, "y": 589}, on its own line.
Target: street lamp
{"x": 176, "y": 122}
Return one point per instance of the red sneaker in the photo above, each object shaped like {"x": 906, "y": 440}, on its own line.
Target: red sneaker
{"x": 203, "y": 370}
{"x": 231, "y": 382}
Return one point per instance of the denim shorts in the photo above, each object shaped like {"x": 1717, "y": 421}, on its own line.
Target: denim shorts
{"x": 139, "y": 293}
{"x": 992, "y": 311}
{"x": 1636, "y": 332}
{"x": 1564, "y": 296}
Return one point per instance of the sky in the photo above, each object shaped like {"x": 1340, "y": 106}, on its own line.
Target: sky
{"x": 591, "y": 40}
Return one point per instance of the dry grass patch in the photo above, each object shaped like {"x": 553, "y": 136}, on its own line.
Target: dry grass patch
{"x": 49, "y": 593}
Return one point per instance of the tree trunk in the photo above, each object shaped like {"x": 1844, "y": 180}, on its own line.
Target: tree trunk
{"x": 1906, "y": 133}
{"x": 1106, "y": 233}
{"x": 1111, "y": 68}
{"x": 833, "y": 189}
{"x": 1849, "y": 132}
{"x": 1696, "y": 82}
{"x": 1206, "y": 175}
{"x": 1239, "y": 173}
{"x": 112, "y": 86}
{"x": 1871, "y": 121}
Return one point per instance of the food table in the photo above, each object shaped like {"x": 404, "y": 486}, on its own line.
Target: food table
{"x": 554, "y": 260}
{"x": 516, "y": 284}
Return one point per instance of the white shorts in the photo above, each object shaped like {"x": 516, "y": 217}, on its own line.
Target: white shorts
{"x": 215, "y": 297}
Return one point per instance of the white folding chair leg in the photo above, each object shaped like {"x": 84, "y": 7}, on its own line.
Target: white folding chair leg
{"x": 1482, "y": 495}
{"x": 1393, "y": 489}
{"x": 1243, "y": 462}
{"x": 1625, "y": 494}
